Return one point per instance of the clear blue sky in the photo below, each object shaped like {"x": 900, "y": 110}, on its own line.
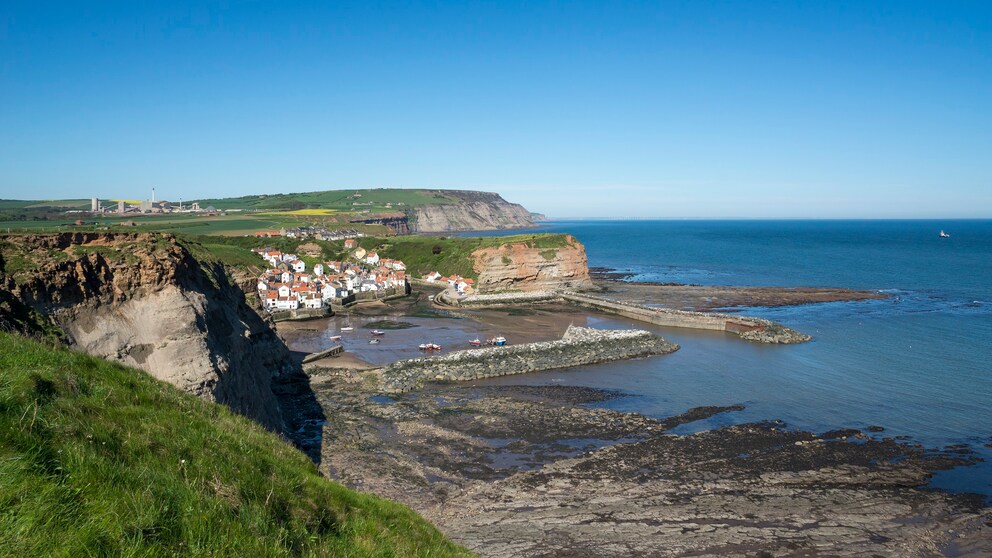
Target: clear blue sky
{"x": 667, "y": 109}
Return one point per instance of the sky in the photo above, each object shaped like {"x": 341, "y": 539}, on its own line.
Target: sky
{"x": 574, "y": 109}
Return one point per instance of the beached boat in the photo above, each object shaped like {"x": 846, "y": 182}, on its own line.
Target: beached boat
{"x": 347, "y": 328}
{"x": 944, "y": 234}
{"x": 430, "y": 347}
{"x": 374, "y": 341}
{"x": 335, "y": 338}
{"x": 499, "y": 341}
{"x": 423, "y": 346}
{"x": 377, "y": 333}
{"x": 475, "y": 342}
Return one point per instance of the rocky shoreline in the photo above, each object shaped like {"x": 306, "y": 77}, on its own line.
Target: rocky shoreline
{"x": 538, "y": 471}
{"x": 699, "y": 298}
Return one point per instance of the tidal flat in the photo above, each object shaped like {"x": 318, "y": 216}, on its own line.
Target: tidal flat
{"x": 540, "y": 471}
{"x": 550, "y": 470}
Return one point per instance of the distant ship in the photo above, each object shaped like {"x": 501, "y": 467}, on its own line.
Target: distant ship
{"x": 944, "y": 234}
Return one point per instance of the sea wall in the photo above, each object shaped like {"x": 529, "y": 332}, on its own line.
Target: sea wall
{"x": 746, "y": 327}
{"x": 579, "y": 346}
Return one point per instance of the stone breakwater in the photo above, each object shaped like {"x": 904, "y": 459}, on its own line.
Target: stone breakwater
{"x": 748, "y": 328}
{"x": 579, "y": 346}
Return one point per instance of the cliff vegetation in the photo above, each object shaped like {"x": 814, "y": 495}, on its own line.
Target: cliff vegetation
{"x": 102, "y": 460}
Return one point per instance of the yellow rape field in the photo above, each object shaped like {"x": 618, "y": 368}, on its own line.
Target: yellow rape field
{"x": 303, "y": 212}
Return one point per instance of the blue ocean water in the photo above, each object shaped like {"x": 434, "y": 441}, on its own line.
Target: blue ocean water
{"x": 919, "y": 364}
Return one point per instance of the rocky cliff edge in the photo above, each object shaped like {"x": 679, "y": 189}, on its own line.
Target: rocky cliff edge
{"x": 476, "y": 211}
{"x": 144, "y": 300}
{"x": 528, "y": 266}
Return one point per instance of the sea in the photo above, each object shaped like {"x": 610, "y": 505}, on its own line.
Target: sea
{"x": 918, "y": 364}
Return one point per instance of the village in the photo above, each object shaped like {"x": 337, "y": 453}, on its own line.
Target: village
{"x": 288, "y": 285}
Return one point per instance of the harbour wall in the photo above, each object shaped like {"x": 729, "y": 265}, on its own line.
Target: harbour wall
{"x": 746, "y": 327}
{"x": 579, "y": 346}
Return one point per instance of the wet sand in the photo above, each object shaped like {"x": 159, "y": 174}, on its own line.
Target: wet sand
{"x": 451, "y": 330}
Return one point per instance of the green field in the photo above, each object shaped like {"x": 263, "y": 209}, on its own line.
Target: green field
{"x": 234, "y": 224}
{"x": 101, "y": 460}
{"x": 341, "y": 200}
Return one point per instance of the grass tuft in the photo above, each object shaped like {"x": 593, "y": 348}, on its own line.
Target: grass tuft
{"x": 101, "y": 460}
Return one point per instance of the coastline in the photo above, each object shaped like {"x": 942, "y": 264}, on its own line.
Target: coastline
{"x": 514, "y": 470}
{"x": 526, "y": 470}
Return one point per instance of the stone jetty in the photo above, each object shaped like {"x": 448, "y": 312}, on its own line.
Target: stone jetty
{"x": 579, "y": 346}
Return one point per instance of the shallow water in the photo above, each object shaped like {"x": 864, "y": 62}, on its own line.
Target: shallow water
{"x": 918, "y": 364}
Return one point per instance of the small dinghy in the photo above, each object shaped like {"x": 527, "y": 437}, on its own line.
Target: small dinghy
{"x": 335, "y": 338}
{"x": 373, "y": 341}
{"x": 347, "y": 328}
{"x": 377, "y": 333}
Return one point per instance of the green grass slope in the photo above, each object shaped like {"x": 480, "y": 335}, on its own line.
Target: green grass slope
{"x": 342, "y": 200}
{"x": 101, "y": 460}
{"x": 452, "y": 255}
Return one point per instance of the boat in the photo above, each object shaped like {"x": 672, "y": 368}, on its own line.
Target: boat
{"x": 430, "y": 347}
{"x": 335, "y": 338}
{"x": 347, "y": 329}
{"x": 475, "y": 342}
{"x": 377, "y": 333}
{"x": 374, "y": 341}
{"x": 423, "y": 347}
{"x": 499, "y": 341}
{"x": 944, "y": 234}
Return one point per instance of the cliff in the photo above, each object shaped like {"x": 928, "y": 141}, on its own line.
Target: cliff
{"x": 474, "y": 211}
{"x": 533, "y": 266}
{"x": 144, "y": 300}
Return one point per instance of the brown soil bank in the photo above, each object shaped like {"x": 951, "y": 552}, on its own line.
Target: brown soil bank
{"x": 519, "y": 266}
{"x": 531, "y": 471}
{"x": 146, "y": 300}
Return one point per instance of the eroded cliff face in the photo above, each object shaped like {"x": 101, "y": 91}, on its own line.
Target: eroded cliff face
{"x": 476, "y": 211}
{"x": 144, "y": 300}
{"x": 519, "y": 266}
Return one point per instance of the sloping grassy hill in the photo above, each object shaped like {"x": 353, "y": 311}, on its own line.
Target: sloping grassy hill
{"x": 342, "y": 200}
{"x": 101, "y": 460}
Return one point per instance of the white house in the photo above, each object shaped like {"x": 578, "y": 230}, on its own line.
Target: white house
{"x": 372, "y": 258}
{"x": 286, "y": 303}
{"x": 369, "y": 285}
{"x": 399, "y": 266}
{"x": 432, "y": 277}
{"x": 318, "y": 269}
{"x": 312, "y": 301}
{"x": 286, "y": 277}
{"x": 285, "y": 290}
{"x": 298, "y": 266}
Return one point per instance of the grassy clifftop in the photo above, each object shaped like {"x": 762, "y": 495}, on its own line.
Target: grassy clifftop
{"x": 101, "y": 460}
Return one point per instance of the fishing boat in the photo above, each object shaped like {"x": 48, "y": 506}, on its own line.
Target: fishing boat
{"x": 944, "y": 234}
{"x": 374, "y": 341}
{"x": 377, "y": 333}
{"x": 430, "y": 347}
{"x": 335, "y": 338}
{"x": 475, "y": 342}
{"x": 347, "y": 329}
{"x": 499, "y": 341}
{"x": 423, "y": 346}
